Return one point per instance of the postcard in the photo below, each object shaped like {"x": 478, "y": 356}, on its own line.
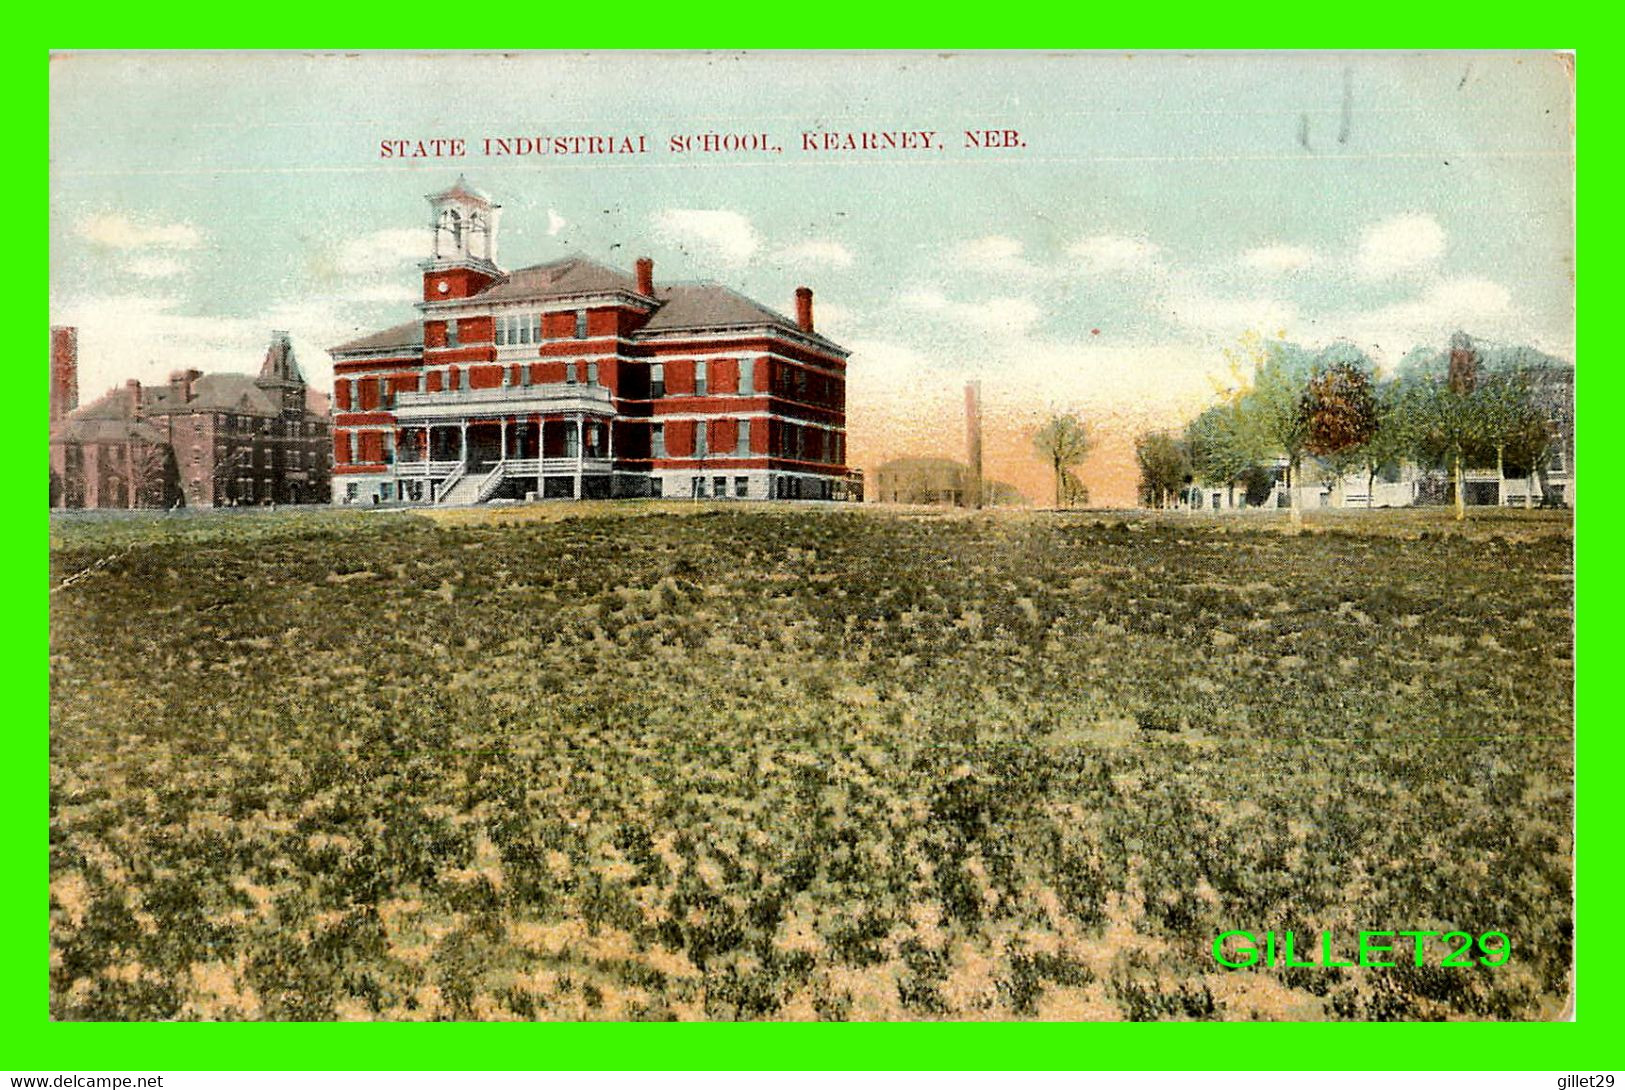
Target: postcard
{"x": 812, "y": 536}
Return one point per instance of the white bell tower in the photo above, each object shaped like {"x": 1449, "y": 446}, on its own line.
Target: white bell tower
{"x": 464, "y": 252}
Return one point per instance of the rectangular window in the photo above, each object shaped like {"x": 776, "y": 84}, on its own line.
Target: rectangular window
{"x": 699, "y": 378}
{"x": 570, "y": 373}
{"x": 747, "y": 376}
{"x": 656, "y": 487}
{"x": 657, "y": 380}
{"x": 592, "y": 374}
{"x": 700, "y": 437}
{"x": 353, "y": 438}
{"x": 742, "y": 447}
{"x": 501, "y": 332}
{"x": 697, "y": 486}
{"x": 572, "y": 442}
{"x": 462, "y": 379}
{"x": 389, "y": 447}
{"x": 451, "y": 333}
{"x": 535, "y": 329}
{"x": 719, "y": 487}
{"x": 657, "y": 440}
{"x": 741, "y": 487}
{"x": 581, "y": 325}
{"x": 386, "y": 491}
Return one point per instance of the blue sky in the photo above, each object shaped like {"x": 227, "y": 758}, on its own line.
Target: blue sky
{"x": 1162, "y": 206}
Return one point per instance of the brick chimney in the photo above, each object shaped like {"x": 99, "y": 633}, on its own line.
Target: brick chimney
{"x": 132, "y": 391}
{"x": 181, "y": 383}
{"x": 804, "y": 309}
{"x": 64, "y": 370}
{"x": 646, "y": 276}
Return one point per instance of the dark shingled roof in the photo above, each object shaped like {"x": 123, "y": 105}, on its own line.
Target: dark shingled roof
{"x": 226, "y": 393}
{"x": 104, "y": 430}
{"x": 405, "y": 335}
{"x": 682, "y": 306}
{"x": 573, "y": 275}
{"x": 710, "y": 306}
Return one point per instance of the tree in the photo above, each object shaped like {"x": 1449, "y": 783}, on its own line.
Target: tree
{"x": 1510, "y": 420}
{"x": 1164, "y": 465}
{"x": 1270, "y": 409}
{"x": 1221, "y": 447}
{"x": 1339, "y": 413}
{"x": 1390, "y": 442}
{"x": 1446, "y": 422}
{"x": 1063, "y": 442}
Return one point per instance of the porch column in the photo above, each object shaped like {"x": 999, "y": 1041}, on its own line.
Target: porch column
{"x": 581, "y": 452}
{"x": 462, "y": 442}
{"x": 541, "y": 452}
{"x": 502, "y": 439}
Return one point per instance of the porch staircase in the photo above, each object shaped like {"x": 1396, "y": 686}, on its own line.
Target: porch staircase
{"x": 463, "y": 489}
{"x": 460, "y": 490}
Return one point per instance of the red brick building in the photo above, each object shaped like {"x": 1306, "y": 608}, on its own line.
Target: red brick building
{"x": 201, "y": 440}
{"x": 574, "y": 379}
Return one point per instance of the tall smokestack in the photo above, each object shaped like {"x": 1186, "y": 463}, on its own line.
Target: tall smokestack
{"x": 973, "y": 444}
{"x": 646, "y": 276}
{"x": 804, "y": 309}
{"x": 64, "y": 370}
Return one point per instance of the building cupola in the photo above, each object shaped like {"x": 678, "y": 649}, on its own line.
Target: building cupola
{"x": 462, "y": 260}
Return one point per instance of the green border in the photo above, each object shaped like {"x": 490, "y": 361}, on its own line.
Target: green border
{"x": 1587, "y": 1044}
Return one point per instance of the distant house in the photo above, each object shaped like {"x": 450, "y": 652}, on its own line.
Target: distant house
{"x": 937, "y": 482}
{"x": 201, "y": 440}
{"x": 1548, "y": 483}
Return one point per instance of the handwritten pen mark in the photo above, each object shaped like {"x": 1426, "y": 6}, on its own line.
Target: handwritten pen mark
{"x": 1348, "y": 107}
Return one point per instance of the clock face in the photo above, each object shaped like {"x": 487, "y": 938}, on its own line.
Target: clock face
{"x": 443, "y": 287}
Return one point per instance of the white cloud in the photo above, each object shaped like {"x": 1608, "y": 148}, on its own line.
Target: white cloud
{"x": 1001, "y": 314}
{"x": 1114, "y": 253}
{"x": 381, "y": 251}
{"x": 146, "y": 336}
{"x": 1279, "y": 258}
{"x": 155, "y": 267}
{"x": 1004, "y": 315}
{"x": 382, "y": 291}
{"x": 1442, "y": 307}
{"x": 1403, "y": 244}
{"x": 834, "y": 316}
{"x": 994, "y": 254}
{"x": 815, "y": 251}
{"x": 122, "y": 233}
{"x": 1229, "y": 316}
{"x": 725, "y": 235}
{"x": 927, "y": 299}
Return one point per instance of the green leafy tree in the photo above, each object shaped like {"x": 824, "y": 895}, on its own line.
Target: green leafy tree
{"x": 1221, "y": 445}
{"x": 1063, "y": 442}
{"x": 1164, "y": 464}
{"x": 1391, "y": 441}
{"x": 1271, "y": 409}
{"x": 1446, "y": 421}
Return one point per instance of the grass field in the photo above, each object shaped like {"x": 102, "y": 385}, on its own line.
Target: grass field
{"x": 648, "y": 762}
